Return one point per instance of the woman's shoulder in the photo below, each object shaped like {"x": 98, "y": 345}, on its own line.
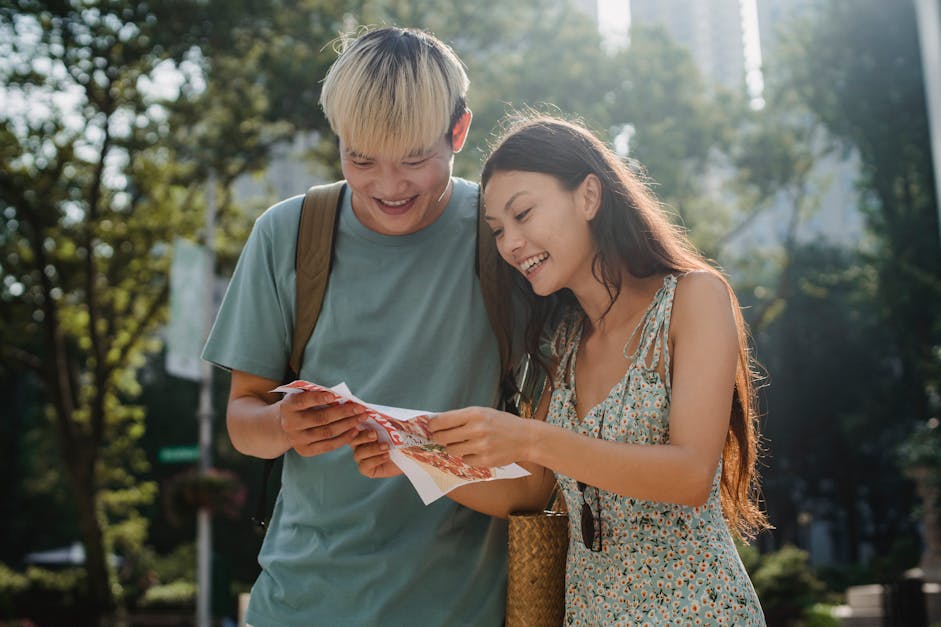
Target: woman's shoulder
{"x": 701, "y": 280}
{"x": 701, "y": 296}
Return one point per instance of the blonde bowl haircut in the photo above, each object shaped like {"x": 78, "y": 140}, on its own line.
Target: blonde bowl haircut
{"x": 393, "y": 92}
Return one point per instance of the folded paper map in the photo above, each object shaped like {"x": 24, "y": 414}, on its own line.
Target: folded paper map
{"x": 431, "y": 469}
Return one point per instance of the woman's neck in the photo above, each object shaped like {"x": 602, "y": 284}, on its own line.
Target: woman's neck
{"x": 611, "y": 318}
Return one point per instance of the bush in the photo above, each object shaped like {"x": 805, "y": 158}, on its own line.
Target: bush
{"x": 787, "y": 586}
{"x": 177, "y": 595}
{"x": 12, "y": 585}
{"x": 819, "y": 615}
{"x": 44, "y": 596}
{"x": 179, "y": 565}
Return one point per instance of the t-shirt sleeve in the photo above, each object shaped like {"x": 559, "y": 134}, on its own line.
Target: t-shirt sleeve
{"x": 252, "y": 331}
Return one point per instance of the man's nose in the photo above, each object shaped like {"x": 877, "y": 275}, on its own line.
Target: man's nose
{"x": 391, "y": 182}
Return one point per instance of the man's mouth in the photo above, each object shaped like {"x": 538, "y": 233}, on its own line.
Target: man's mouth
{"x": 395, "y": 207}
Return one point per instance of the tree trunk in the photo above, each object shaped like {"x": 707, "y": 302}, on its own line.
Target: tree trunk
{"x": 96, "y": 566}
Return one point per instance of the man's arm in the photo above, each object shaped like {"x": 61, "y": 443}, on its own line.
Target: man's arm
{"x": 262, "y": 424}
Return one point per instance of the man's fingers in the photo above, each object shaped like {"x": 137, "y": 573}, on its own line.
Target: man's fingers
{"x": 364, "y": 437}
{"x": 379, "y": 467}
{"x": 336, "y": 413}
{"x": 324, "y": 446}
{"x": 371, "y": 452}
{"x": 333, "y": 429}
{"x": 310, "y": 398}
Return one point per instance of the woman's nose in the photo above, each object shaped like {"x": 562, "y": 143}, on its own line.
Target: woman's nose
{"x": 512, "y": 242}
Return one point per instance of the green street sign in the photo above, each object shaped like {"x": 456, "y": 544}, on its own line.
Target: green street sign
{"x": 178, "y": 454}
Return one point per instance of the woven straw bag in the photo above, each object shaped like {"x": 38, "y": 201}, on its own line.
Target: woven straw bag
{"x": 535, "y": 591}
{"x": 538, "y": 542}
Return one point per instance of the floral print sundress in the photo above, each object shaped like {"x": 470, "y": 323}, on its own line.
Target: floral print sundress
{"x": 659, "y": 563}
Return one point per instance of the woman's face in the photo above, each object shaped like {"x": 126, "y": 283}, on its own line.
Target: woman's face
{"x": 541, "y": 228}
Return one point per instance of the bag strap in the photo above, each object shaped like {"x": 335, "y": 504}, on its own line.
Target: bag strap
{"x": 313, "y": 260}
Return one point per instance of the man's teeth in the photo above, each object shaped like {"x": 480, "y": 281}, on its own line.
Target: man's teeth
{"x": 528, "y": 264}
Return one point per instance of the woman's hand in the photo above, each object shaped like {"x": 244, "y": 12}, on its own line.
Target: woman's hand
{"x": 482, "y": 436}
{"x": 372, "y": 456}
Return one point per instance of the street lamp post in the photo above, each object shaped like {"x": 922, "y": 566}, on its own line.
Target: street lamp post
{"x": 928, "y": 14}
{"x": 205, "y": 412}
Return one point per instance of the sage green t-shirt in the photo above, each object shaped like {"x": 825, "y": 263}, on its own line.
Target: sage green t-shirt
{"x": 403, "y": 324}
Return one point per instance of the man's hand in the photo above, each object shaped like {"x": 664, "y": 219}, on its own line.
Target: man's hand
{"x": 313, "y": 425}
{"x": 372, "y": 456}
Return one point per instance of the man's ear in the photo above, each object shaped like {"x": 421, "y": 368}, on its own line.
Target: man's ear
{"x": 459, "y": 132}
{"x": 589, "y": 194}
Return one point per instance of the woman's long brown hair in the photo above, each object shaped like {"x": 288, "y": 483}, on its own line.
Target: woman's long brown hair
{"x": 631, "y": 232}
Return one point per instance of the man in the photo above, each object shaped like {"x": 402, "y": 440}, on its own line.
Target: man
{"x": 403, "y": 323}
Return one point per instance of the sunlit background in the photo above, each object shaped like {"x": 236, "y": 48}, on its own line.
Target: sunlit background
{"x": 791, "y": 138}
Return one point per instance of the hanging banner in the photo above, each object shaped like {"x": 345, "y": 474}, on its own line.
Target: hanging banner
{"x": 189, "y": 300}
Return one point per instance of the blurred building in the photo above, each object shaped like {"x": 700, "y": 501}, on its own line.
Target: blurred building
{"x": 773, "y": 14}
{"x": 838, "y": 219}
{"x": 732, "y": 42}
{"x": 589, "y": 7}
{"x": 712, "y": 30}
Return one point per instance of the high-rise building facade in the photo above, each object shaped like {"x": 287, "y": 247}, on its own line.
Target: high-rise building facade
{"x": 712, "y": 30}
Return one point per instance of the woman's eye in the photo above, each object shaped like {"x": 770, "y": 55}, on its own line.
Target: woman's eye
{"x": 496, "y": 233}
{"x": 519, "y": 217}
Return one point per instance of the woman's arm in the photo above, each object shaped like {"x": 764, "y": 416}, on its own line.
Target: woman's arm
{"x": 705, "y": 350}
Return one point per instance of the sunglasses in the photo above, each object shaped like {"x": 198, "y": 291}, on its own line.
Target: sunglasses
{"x": 591, "y": 524}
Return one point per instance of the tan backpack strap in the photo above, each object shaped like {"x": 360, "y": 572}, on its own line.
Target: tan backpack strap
{"x": 495, "y": 285}
{"x": 314, "y": 257}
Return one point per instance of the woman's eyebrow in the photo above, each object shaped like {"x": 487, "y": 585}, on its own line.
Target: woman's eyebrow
{"x": 509, "y": 203}
{"x": 506, "y": 207}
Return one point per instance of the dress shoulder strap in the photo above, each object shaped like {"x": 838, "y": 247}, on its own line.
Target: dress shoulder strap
{"x": 564, "y": 346}
{"x": 655, "y": 333}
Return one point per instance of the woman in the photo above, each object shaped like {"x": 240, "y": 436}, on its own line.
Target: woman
{"x": 650, "y": 427}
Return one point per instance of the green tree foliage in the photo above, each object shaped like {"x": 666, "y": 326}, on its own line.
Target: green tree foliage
{"x": 776, "y": 156}
{"x": 856, "y": 65}
{"x": 682, "y": 128}
{"x": 833, "y": 407}
{"x": 102, "y": 165}
{"x": 90, "y": 198}
{"x": 849, "y": 338}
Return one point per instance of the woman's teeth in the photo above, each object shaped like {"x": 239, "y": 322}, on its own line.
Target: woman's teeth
{"x": 529, "y": 263}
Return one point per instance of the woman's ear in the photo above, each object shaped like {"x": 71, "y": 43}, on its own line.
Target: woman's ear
{"x": 589, "y": 195}
{"x": 459, "y": 132}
